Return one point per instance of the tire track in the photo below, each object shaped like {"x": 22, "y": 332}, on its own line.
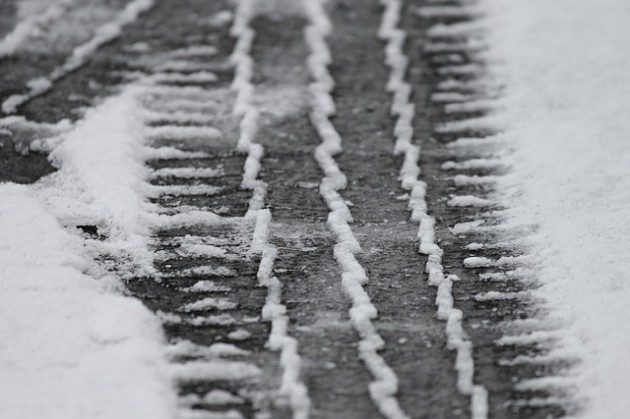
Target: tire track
{"x": 274, "y": 311}
{"x": 252, "y": 378}
{"x": 385, "y": 383}
{"x": 306, "y": 266}
{"x": 206, "y": 289}
{"x": 80, "y": 55}
{"x": 513, "y": 338}
{"x": 409, "y": 176}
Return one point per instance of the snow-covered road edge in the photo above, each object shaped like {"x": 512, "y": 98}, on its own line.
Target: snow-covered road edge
{"x": 566, "y": 69}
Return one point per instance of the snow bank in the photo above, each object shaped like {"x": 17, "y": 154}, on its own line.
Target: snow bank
{"x": 71, "y": 347}
{"x": 101, "y": 180}
{"x": 566, "y": 65}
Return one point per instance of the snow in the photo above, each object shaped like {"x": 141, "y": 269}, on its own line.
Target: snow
{"x": 464, "y": 180}
{"x": 473, "y": 164}
{"x": 191, "y": 218}
{"x": 72, "y": 345}
{"x": 185, "y": 348}
{"x": 198, "y": 321}
{"x": 204, "y": 414}
{"x": 469, "y": 201}
{"x": 212, "y": 398}
{"x": 187, "y": 172}
{"x": 101, "y": 180}
{"x": 195, "y": 51}
{"x": 179, "y": 190}
{"x": 206, "y": 286}
{"x": 211, "y": 370}
{"x": 166, "y": 153}
{"x": 566, "y": 68}
{"x": 183, "y": 133}
{"x": 195, "y": 249}
{"x": 496, "y": 295}
{"x": 239, "y": 334}
{"x": 449, "y": 11}
{"x": 209, "y": 303}
{"x": 525, "y": 339}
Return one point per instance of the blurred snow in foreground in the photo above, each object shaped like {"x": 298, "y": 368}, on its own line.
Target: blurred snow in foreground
{"x": 72, "y": 346}
{"x": 566, "y": 65}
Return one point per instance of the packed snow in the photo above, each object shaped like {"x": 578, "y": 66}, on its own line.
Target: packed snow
{"x": 566, "y": 67}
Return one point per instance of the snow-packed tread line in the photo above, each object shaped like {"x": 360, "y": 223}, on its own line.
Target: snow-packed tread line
{"x": 80, "y": 54}
{"x": 291, "y": 386}
{"x": 483, "y": 128}
{"x": 199, "y": 249}
{"x": 385, "y": 385}
{"x": 196, "y": 364}
{"x": 404, "y": 110}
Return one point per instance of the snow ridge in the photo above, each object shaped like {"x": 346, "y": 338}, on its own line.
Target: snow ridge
{"x": 385, "y": 384}
{"x": 80, "y": 55}
{"x": 291, "y": 385}
{"x": 409, "y": 177}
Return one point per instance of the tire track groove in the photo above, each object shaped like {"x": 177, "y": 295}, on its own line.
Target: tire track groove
{"x": 385, "y": 385}
{"x": 487, "y": 251}
{"x": 273, "y": 310}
